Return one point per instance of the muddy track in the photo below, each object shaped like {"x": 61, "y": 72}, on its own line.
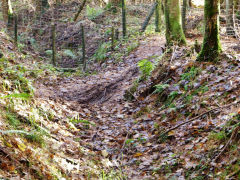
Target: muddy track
{"x": 99, "y": 99}
{"x": 102, "y": 91}
{"x": 105, "y": 86}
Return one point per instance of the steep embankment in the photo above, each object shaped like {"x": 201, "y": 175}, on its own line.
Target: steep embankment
{"x": 37, "y": 136}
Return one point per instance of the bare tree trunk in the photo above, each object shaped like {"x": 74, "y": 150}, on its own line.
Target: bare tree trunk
{"x": 148, "y": 18}
{"x": 184, "y": 10}
{"x": 230, "y": 18}
{"x": 80, "y": 9}
{"x": 7, "y": 12}
{"x": 5, "y": 8}
{"x": 124, "y": 24}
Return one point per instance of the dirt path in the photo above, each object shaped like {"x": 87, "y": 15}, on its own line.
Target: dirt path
{"x": 99, "y": 98}
{"x": 108, "y": 84}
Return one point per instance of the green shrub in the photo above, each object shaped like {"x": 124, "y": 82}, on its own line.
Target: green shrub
{"x": 101, "y": 53}
{"x": 160, "y": 88}
{"x": 69, "y": 53}
{"x": 190, "y": 74}
{"x": 146, "y": 67}
{"x": 92, "y": 13}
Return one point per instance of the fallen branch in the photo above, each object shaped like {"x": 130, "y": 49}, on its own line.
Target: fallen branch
{"x": 124, "y": 143}
{"x": 79, "y": 10}
{"x": 234, "y": 133}
{"x": 197, "y": 117}
{"x": 121, "y": 150}
{"x": 145, "y": 23}
{"x": 14, "y": 132}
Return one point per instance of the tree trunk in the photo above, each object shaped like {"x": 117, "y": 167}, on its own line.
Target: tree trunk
{"x": 184, "y": 10}
{"x": 190, "y": 3}
{"x": 211, "y": 44}
{"x": 80, "y": 10}
{"x": 157, "y": 16}
{"x": 230, "y": 18}
{"x": 174, "y": 31}
{"x": 5, "y": 8}
{"x": 148, "y": 18}
{"x": 124, "y": 24}
{"x": 115, "y": 2}
{"x": 7, "y": 12}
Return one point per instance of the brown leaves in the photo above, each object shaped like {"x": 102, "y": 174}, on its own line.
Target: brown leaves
{"x": 7, "y": 167}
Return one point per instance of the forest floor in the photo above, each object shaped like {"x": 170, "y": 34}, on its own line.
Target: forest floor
{"x": 57, "y": 125}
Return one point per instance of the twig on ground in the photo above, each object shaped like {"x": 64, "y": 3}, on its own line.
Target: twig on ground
{"x": 121, "y": 150}
{"x": 234, "y": 133}
{"x": 124, "y": 143}
{"x": 193, "y": 119}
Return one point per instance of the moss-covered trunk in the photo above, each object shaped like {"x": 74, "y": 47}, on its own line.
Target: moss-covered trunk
{"x": 184, "y": 11}
{"x": 174, "y": 31}
{"x": 211, "y": 44}
{"x": 158, "y": 16}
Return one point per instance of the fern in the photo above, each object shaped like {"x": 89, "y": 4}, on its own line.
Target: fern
{"x": 160, "y": 88}
{"x": 69, "y": 53}
{"x": 146, "y": 68}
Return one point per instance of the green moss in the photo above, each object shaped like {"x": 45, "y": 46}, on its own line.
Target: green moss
{"x": 157, "y": 16}
{"x": 174, "y": 31}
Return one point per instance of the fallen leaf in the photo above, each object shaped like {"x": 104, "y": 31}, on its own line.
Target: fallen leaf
{"x": 138, "y": 154}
